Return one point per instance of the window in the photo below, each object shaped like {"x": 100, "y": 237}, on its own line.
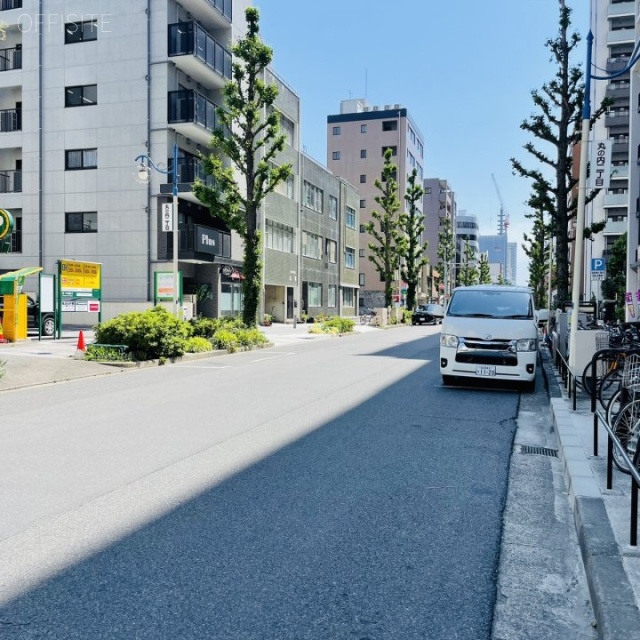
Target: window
{"x": 389, "y": 125}
{"x": 287, "y": 128}
{"x": 82, "y": 96}
{"x": 363, "y": 128}
{"x": 363, "y": 229}
{"x": 363, "y": 153}
{"x": 278, "y": 236}
{"x": 16, "y": 236}
{"x": 313, "y": 197}
{"x": 332, "y": 251}
{"x": 361, "y": 279}
{"x": 286, "y": 187}
{"x": 394, "y": 150}
{"x": 427, "y": 190}
{"x": 361, "y": 253}
{"x": 81, "y": 222}
{"x": 363, "y": 204}
{"x": 350, "y": 217}
{"x": 348, "y": 298}
{"x": 336, "y": 131}
{"x": 335, "y": 155}
{"x": 350, "y": 258}
{"x": 80, "y": 31}
{"x": 315, "y": 294}
{"x": 331, "y": 295}
{"x": 311, "y": 245}
{"x": 333, "y": 207}
{"x": 363, "y": 178}
{"x": 81, "y": 159}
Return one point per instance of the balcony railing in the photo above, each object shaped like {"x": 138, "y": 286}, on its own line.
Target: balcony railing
{"x": 189, "y": 169}
{"x": 223, "y": 6}
{"x": 7, "y": 5}
{"x": 189, "y": 38}
{"x": 10, "y": 181}
{"x": 10, "y": 120}
{"x": 190, "y": 106}
{"x": 10, "y": 59}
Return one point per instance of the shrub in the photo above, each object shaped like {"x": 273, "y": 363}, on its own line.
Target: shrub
{"x": 406, "y": 316}
{"x": 342, "y": 325}
{"x": 225, "y": 339}
{"x": 198, "y": 344}
{"x": 249, "y": 337}
{"x": 148, "y": 335}
{"x": 106, "y": 353}
{"x": 207, "y": 327}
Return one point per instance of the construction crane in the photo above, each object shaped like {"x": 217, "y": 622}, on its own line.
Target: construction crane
{"x": 503, "y": 218}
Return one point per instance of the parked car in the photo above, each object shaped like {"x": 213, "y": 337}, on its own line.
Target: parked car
{"x": 426, "y": 313}
{"x": 48, "y": 323}
{"x": 490, "y": 332}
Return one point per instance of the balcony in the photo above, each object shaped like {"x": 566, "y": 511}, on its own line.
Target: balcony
{"x": 615, "y": 227}
{"x": 10, "y": 120}
{"x": 617, "y": 118}
{"x": 192, "y": 115}
{"x": 199, "y": 244}
{"x": 197, "y": 54}
{"x": 620, "y": 94}
{"x": 620, "y": 148}
{"x": 620, "y": 172}
{"x": 616, "y": 200}
{"x": 214, "y": 13}
{"x": 621, "y": 9}
{"x": 10, "y": 181}
{"x": 621, "y": 35}
{"x": 10, "y": 59}
{"x": 7, "y": 5}
{"x": 615, "y": 65}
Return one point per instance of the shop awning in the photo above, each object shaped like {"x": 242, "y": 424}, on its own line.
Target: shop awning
{"x": 8, "y": 280}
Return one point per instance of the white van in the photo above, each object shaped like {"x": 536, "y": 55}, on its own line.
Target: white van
{"x": 490, "y": 332}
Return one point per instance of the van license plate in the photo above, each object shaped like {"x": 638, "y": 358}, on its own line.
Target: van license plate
{"x": 485, "y": 370}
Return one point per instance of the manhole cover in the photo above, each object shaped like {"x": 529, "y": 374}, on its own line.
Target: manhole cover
{"x": 540, "y": 451}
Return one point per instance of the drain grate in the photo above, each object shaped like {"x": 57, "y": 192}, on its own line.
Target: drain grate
{"x": 540, "y": 451}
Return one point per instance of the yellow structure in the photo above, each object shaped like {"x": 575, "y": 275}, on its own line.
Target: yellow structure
{"x": 14, "y": 316}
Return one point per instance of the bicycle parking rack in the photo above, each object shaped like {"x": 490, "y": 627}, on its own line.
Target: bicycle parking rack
{"x": 612, "y": 441}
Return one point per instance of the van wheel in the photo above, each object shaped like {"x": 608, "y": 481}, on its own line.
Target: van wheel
{"x": 447, "y": 380}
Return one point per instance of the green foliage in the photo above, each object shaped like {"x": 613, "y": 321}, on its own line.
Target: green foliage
{"x": 384, "y": 228}
{"x": 406, "y": 316}
{"x": 148, "y": 335}
{"x": 251, "y": 336}
{"x": 106, "y": 353}
{"x": 411, "y": 248}
{"x": 446, "y": 252}
{"x": 342, "y": 325}
{"x": 207, "y": 327}
{"x": 249, "y": 136}
{"x": 468, "y": 273}
{"x": 615, "y": 285}
{"x": 484, "y": 273}
{"x": 537, "y": 247}
{"x": 225, "y": 339}
{"x": 198, "y": 344}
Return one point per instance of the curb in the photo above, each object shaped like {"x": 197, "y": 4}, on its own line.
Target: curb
{"x": 612, "y": 597}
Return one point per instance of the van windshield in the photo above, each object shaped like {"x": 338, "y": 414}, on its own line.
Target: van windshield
{"x": 491, "y": 304}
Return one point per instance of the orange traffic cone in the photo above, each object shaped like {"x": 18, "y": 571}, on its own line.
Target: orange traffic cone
{"x": 81, "y": 345}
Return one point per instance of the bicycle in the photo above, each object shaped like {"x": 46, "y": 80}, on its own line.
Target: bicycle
{"x": 368, "y": 317}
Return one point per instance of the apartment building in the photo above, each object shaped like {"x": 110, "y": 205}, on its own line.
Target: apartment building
{"x": 357, "y": 138}
{"x": 613, "y": 24}
{"x": 438, "y": 203}
{"x": 467, "y": 231}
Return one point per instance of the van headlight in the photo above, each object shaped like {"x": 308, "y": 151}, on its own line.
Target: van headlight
{"x": 447, "y": 340}
{"x": 530, "y": 344}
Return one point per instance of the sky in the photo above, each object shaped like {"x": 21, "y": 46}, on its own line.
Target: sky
{"x": 464, "y": 70}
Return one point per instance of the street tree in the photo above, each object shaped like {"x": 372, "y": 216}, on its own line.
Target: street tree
{"x": 614, "y": 287}
{"x": 484, "y": 274}
{"x": 247, "y": 134}
{"x": 446, "y": 253}
{"x": 468, "y": 273}
{"x": 384, "y": 228}
{"x": 536, "y": 247}
{"x": 558, "y": 126}
{"x": 412, "y": 248}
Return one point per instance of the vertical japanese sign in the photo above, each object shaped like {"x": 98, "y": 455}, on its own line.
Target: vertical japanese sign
{"x": 628, "y": 298}
{"x": 600, "y": 164}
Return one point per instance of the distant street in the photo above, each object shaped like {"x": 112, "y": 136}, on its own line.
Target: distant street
{"x": 325, "y": 490}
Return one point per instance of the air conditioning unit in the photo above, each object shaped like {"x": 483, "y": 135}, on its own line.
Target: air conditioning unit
{"x": 396, "y": 106}
{"x": 365, "y": 109}
{"x": 387, "y": 107}
{"x": 375, "y": 108}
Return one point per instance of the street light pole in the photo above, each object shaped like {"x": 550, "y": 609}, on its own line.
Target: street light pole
{"x": 143, "y": 171}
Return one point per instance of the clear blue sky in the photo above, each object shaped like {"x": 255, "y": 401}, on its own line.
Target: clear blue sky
{"x": 464, "y": 69}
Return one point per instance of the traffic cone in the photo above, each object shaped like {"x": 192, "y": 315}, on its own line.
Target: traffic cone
{"x": 2, "y": 338}
{"x": 81, "y": 348}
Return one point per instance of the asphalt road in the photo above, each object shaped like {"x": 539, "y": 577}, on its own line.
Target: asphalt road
{"x": 328, "y": 490}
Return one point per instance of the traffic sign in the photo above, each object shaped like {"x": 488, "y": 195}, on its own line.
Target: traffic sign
{"x": 598, "y": 264}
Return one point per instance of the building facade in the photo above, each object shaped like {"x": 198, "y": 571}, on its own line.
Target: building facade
{"x": 357, "y": 138}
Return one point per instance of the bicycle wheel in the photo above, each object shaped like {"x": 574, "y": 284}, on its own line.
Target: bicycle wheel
{"x": 607, "y": 387}
{"x": 623, "y": 427}
{"x": 616, "y": 402}
{"x": 363, "y": 319}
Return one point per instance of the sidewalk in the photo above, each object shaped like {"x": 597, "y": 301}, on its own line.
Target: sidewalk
{"x": 602, "y": 517}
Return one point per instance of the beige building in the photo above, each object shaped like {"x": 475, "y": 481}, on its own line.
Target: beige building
{"x": 357, "y": 138}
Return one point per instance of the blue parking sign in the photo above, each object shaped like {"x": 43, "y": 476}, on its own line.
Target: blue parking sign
{"x": 598, "y": 264}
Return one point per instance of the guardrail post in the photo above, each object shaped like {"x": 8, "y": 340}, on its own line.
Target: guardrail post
{"x": 634, "y": 513}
